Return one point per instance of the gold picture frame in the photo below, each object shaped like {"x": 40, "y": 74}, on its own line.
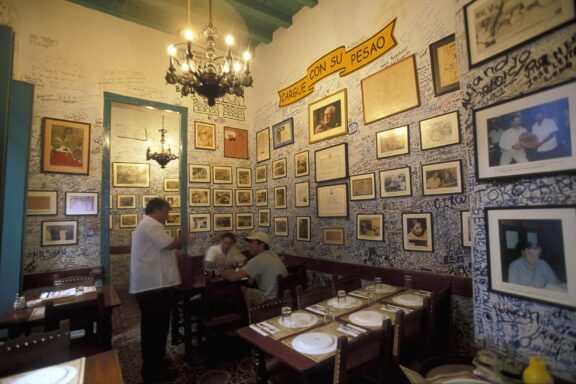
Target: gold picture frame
{"x": 65, "y": 147}
{"x": 328, "y": 117}
{"x": 204, "y": 135}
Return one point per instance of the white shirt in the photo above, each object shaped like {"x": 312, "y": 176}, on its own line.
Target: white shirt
{"x": 152, "y": 266}
{"x": 510, "y": 137}
{"x": 215, "y": 255}
{"x": 544, "y": 129}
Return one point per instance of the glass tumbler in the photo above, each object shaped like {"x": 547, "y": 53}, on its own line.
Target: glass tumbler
{"x": 407, "y": 282}
{"x": 329, "y": 316}
{"x": 341, "y": 297}
{"x": 377, "y": 284}
{"x": 286, "y": 316}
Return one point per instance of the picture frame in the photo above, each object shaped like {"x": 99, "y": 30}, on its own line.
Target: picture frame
{"x": 333, "y": 236}
{"x": 199, "y": 222}
{"x": 243, "y": 177}
{"x": 391, "y": 90}
{"x": 59, "y": 233}
{"x": 173, "y": 219}
{"x": 81, "y": 203}
{"x": 110, "y": 223}
{"x": 442, "y": 178}
{"x": 130, "y": 175}
{"x": 515, "y": 122}
{"x": 263, "y": 145}
{"x": 173, "y": 200}
{"x": 221, "y": 174}
{"x": 261, "y": 173}
{"x": 417, "y": 232}
{"x": 280, "y": 197}
{"x": 491, "y": 31}
{"x": 301, "y": 164}
{"x": 393, "y": 142}
{"x": 244, "y": 221}
{"x": 198, "y": 173}
{"x": 328, "y": 117}
{"x": 129, "y": 220}
{"x": 302, "y": 194}
{"x": 281, "y": 226}
{"x": 363, "y": 187}
{"x": 41, "y": 203}
{"x": 264, "y": 217}
{"x": 204, "y": 135}
{"x": 466, "y": 225}
{"x": 331, "y": 163}
{"x": 530, "y": 253}
{"x": 261, "y": 197}
{"x": 303, "y": 228}
{"x": 440, "y": 131}
{"x": 199, "y": 197}
{"x": 146, "y": 199}
{"x": 222, "y": 197}
{"x": 279, "y": 168}
{"x": 65, "y": 147}
{"x": 171, "y": 185}
{"x": 125, "y": 201}
{"x": 332, "y": 200}
{"x": 396, "y": 182}
{"x": 370, "y": 227}
{"x": 283, "y": 133}
{"x": 222, "y": 222}
{"x": 235, "y": 143}
{"x": 444, "y": 61}
{"x": 244, "y": 197}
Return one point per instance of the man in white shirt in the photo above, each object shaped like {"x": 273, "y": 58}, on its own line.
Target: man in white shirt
{"x": 224, "y": 254}
{"x": 545, "y": 130}
{"x": 510, "y": 143}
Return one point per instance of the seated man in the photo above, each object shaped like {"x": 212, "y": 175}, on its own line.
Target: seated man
{"x": 263, "y": 267}
{"x": 224, "y": 254}
{"x": 529, "y": 269}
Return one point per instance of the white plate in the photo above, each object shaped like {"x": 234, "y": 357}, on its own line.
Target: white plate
{"x": 314, "y": 343}
{"x": 351, "y": 302}
{"x": 385, "y": 288}
{"x": 300, "y": 320}
{"x": 408, "y": 299}
{"x": 60, "y": 374}
{"x": 368, "y": 318}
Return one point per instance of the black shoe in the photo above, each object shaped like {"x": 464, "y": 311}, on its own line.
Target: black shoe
{"x": 162, "y": 376}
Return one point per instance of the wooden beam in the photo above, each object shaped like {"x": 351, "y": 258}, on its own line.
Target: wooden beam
{"x": 309, "y": 3}
{"x": 262, "y": 12}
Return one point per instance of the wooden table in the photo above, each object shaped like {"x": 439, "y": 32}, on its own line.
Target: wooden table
{"x": 103, "y": 368}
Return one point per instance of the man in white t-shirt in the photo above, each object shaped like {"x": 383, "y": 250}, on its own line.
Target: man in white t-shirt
{"x": 224, "y": 254}
{"x": 510, "y": 143}
{"x": 546, "y": 130}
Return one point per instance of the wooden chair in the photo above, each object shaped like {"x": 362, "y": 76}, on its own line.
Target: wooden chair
{"x": 305, "y": 298}
{"x": 410, "y": 335}
{"x": 87, "y": 280}
{"x": 299, "y": 269}
{"x": 438, "y": 322}
{"x": 347, "y": 283}
{"x": 290, "y": 282}
{"x": 269, "y": 309}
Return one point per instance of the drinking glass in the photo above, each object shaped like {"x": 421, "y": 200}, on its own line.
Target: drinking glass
{"x": 329, "y": 316}
{"x": 341, "y": 297}
{"x": 377, "y": 284}
{"x": 286, "y": 316}
{"x": 407, "y": 282}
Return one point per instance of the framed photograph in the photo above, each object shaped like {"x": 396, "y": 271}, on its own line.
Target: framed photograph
{"x": 244, "y": 177}
{"x": 331, "y": 163}
{"x": 281, "y": 226}
{"x": 363, "y": 187}
{"x": 171, "y": 185}
{"x": 531, "y": 253}
{"x": 444, "y": 60}
{"x": 393, "y": 142}
{"x": 396, "y": 182}
{"x": 173, "y": 200}
{"x": 302, "y": 194}
{"x": 440, "y": 131}
{"x": 204, "y": 135}
{"x": 41, "y": 203}
{"x": 221, "y": 174}
{"x": 283, "y": 133}
{"x": 126, "y": 201}
{"x": 222, "y": 222}
{"x": 145, "y": 200}
{"x": 222, "y": 197}
{"x": 333, "y": 236}
{"x": 370, "y": 227}
{"x": 332, "y": 200}
{"x": 328, "y": 117}
{"x": 264, "y": 217}
{"x": 280, "y": 198}
{"x": 173, "y": 219}
{"x": 391, "y": 90}
{"x": 235, "y": 143}
{"x": 129, "y": 220}
{"x": 81, "y": 203}
{"x": 494, "y": 27}
{"x": 261, "y": 197}
{"x": 417, "y": 232}
{"x": 301, "y": 164}
{"x": 199, "y": 197}
{"x": 466, "y": 225}
{"x": 65, "y": 147}
{"x": 263, "y": 145}
{"x": 59, "y": 232}
{"x": 528, "y": 135}
{"x": 244, "y": 221}
{"x": 244, "y": 198}
{"x": 131, "y": 175}
{"x": 279, "y": 168}
{"x": 261, "y": 173}
{"x": 199, "y": 222}
{"x": 303, "y": 228}
{"x": 442, "y": 178}
{"x": 198, "y": 173}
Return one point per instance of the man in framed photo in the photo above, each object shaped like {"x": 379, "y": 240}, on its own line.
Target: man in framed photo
{"x": 530, "y": 270}
{"x": 329, "y": 119}
{"x": 545, "y": 129}
{"x": 510, "y": 145}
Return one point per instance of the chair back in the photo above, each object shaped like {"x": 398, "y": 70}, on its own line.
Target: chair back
{"x": 269, "y": 309}
{"x": 300, "y": 270}
{"x": 438, "y": 321}
{"x": 290, "y": 282}
{"x": 87, "y": 280}
{"x": 305, "y": 298}
{"x": 347, "y": 283}
{"x": 222, "y": 296}
{"x": 188, "y": 266}
{"x": 410, "y": 334}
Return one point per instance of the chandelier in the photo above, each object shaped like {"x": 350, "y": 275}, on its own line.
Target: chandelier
{"x": 163, "y": 157}
{"x": 211, "y": 77}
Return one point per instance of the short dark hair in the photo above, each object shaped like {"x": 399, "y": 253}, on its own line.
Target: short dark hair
{"x": 156, "y": 203}
{"x": 229, "y": 235}
{"x": 521, "y": 246}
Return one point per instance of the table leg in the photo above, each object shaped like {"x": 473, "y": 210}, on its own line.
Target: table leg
{"x": 259, "y": 364}
{"x": 175, "y": 337}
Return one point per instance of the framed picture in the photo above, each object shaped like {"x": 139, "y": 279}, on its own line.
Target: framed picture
{"x": 171, "y": 185}
{"x": 59, "y": 232}
{"x": 173, "y": 219}
{"x": 264, "y": 217}
{"x": 301, "y": 164}
{"x": 466, "y": 225}
{"x": 126, "y": 201}
{"x": 303, "y": 228}
{"x": 146, "y": 199}
{"x": 363, "y": 187}
{"x": 302, "y": 194}
{"x": 261, "y": 173}
{"x": 332, "y": 200}
{"x": 81, "y": 203}
{"x": 494, "y": 27}
{"x": 198, "y": 173}
{"x": 221, "y": 174}
{"x": 110, "y": 222}
{"x": 530, "y": 253}
{"x": 244, "y": 221}
{"x": 395, "y": 182}
{"x": 129, "y": 220}
{"x": 442, "y": 178}
{"x": 280, "y": 197}
{"x": 41, "y": 203}
{"x": 390, "y": 91}
{"x": 235, "y": 143}
{"x": 333, "y": 236}
{"x": 222, "y": 197}
{"x": 440, "y": 131}
{"x": 244, "y": 198}
{"x": 281, "y": 226}
{"x": 328, "y": 117}
{"x": 370, "y": 227}
{"x": 444, "y": 60}
{"x": 65, "y": 147}
{"x": 222, "y": 222}
{"x": 279, "y": 168}
{"x": 417, "y": 232}
{"x": 261, "y": 197}
{"x": 173, "y": 200}
{"x": 244, "y": 177}
{"x": 393, "y": 142}
{"x": 131, "y": 175}
{"x": 528, "y": 135}
{"x": 263, "y": 145}
{"x": 199, "y": 197}
{"x": 204, "y": 135}
{"x": 331, "y": 163}
{"x": 199, "y": 222}
{"x": 283, "y": 133}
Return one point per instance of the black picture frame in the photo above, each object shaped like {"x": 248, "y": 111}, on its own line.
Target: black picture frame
{"x": 444, "y": 61}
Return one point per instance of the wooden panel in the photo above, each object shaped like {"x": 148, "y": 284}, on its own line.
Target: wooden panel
{"x": 37, "y": 280}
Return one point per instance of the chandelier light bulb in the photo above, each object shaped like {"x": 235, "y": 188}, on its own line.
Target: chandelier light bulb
{"x": 226, "y": 68}
{"x": 185, "y": 67}
{"x": 246, "y": 55}
{"x": 188, "y": 34}
{"x": 171, "y": 50}
{"x": 236, "y": 66}
{"x": 229, "y": 40}
{"x": 148, "y": 144}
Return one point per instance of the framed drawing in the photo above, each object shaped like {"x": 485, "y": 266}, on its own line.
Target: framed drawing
{"x": 390, "y": 91}
{"x": 442, "y": 178}
{"x": 263, "y": 145}
{"x": 283, "y": 133}
{"x": 198, "y": 173}
{"x": 528, "y": 135}
{"x": 363, "y": 187}
{"x": 370, "y": 227}
{"x": 279, "y": 168}
{"x": 466, "y": 226}
{"x": 222, "y": 222}
{"x": 173, "y": 200}
{"x": 530, "y": 253}
{"x": 440, "y": 131}
{"x": 221, "y": 174}
{"x": 82, "y": 203}
{"x": 59, "y": 233}
{"x": 331, "y": 163}
{"x": 129, "y": 220}
{"x": 173, "y": 219}
{"x": 171, "y": 185}
{"x": 332, "y": 200}
{"x": 417, "y": 232}
{"x": 222, "y": 197}
{"x": 65, "y": 147}
{"x": 301, "y": 164}
{"x": 261, "y": 197}
{"x": 261, "y": 173}
{"x": 395, "y": 182}
{"x": 146, "y": 199}
{"x": 328, "y": 117}
{"x": 303, "y": 228}
{"x": 264, "y": 217}
{"x": 199, "y": 197}
{"x": 333, "y": 236}
{"x": 244, "y": 177}
{"x": 244, "y": 221}
{"x": 445, "y": 74}
{"x": 204, "y": 135}
{"x": 302, "y": 194}
{"x": 41, "y": 203}
{"x": 393, "y": 142}
{"x": 199, "y": 222}
{"x": 281, "y": 226}
{"x": 280, "y": 197}
{"x": 131, "y": 175}
{"x": 244, "y": 197}
{"x": 125, "y": 201}
{"x": 235, "y": 143}
{"x": 494, "y": 27}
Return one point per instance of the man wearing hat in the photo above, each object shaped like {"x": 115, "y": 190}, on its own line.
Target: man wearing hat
{"x": 529, "y": 269}
{"x": 263, "y": 267}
